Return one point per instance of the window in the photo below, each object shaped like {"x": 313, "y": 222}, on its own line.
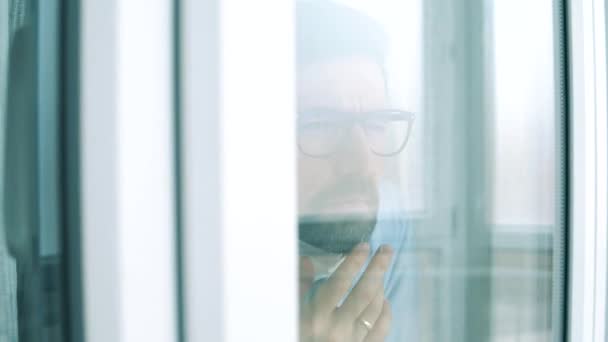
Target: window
{"x": 436, "y": 128}
{"x": 470, "y": 206}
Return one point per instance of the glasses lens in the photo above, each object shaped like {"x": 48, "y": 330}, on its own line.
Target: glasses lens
{"x": 387, "y": 136}
{"x": 317, "y": 137}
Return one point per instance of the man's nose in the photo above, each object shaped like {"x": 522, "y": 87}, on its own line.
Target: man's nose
{"x": 354, "y": 154}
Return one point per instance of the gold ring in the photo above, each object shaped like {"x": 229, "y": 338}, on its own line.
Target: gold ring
{"x": 366, "y": 324}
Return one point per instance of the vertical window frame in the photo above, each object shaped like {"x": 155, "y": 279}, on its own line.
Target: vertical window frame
{"x": 239, "y": 186}
{"x": 127, "y": 164}
{"x": 587, "y": 171}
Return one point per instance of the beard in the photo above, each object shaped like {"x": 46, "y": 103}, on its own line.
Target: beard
{"x": 332, "y": 228}
{"x": 336, "y": 234}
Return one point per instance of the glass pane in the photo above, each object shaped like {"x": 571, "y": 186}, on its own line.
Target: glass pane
{"x": 446, "y": 225}
{"x": 8, "y": 295}
{"x": 32, "y": 301}
{"x": 523, "y": 174}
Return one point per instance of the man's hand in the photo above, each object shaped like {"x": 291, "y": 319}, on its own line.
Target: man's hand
{"x": 363, "y": 316}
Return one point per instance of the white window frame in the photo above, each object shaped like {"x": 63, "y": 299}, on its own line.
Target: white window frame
{"x": 239, "y": 170}
{"x": 588, "y": 171}
{"x": 127, "y": 163}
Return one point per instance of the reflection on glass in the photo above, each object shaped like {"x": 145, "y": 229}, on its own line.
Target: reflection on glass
{"x": 8, "y": 310}
{"x": 523, "y": 213}
{"x": 427, "y": 175}
{"x": 31, "y": 269}
{"x": 351, "y": 228}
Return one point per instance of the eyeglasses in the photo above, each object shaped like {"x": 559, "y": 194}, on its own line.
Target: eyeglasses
{"x": 322, "y": 133}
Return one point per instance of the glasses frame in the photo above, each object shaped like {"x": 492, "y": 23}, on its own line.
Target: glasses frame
{"x": 357, "y": 118}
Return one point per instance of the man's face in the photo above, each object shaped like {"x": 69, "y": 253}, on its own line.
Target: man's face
{"x": 338, "y": 194}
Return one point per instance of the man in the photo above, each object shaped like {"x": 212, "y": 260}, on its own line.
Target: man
{"x": 352, "y": 237}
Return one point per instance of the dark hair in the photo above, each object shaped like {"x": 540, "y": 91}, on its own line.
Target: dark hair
{"x": 326, "y": 30}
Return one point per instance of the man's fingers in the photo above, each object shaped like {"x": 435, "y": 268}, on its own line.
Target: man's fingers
{"x": 373, "y": 310}
{"x": 369, "y": 315}
{"x": 368, "y": 286}
{"x": 335, "y": 288}
{"x": 307, "y": 275}
{"x": 382, "y": 326}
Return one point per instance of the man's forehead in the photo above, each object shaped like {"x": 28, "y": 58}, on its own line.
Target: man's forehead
{"x": 346, "y": 84}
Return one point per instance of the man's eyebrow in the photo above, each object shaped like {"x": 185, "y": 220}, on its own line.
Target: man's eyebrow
{"x": 320, "y": 111}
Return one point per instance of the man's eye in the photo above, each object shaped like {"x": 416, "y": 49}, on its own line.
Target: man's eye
{"x": 316, "y": 126}
{"x": 377, "y": 126}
